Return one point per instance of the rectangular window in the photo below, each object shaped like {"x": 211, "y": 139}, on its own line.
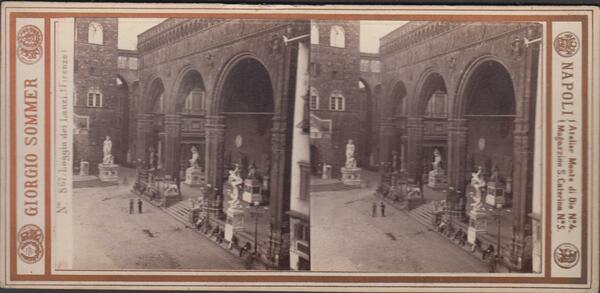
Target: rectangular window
{"x": 375, "y": 66}
{"x": 133, "y": 63}
{"x": 336, "y": 103}
{"x": 364, "y": 65}
{"x": 94, "y": 100}
{"x": 314, "y": 102}
{"x": 122, "y": 62}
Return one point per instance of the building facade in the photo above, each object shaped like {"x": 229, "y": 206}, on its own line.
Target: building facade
{"x": 336, "y": 100}
{"x": 227, "y": 88}
{"x": 468, "y": 90}
{"x": 300, "y": 182}
{"x": 101, "y": 102}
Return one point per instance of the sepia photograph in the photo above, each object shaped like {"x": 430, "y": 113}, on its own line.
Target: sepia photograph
{"x": 334, "y": 148}
{"x": 189, "y": 144}
{"x": 422, "y": 146}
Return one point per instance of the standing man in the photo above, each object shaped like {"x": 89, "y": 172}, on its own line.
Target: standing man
{"x": 382, "y": 205}
{"x": 374, "y": 213}
{"x": 139, "y": 205}
{"x": 131, "y": 206}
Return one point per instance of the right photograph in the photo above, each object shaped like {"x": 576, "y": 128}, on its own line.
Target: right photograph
{"x": 423, "y": 146}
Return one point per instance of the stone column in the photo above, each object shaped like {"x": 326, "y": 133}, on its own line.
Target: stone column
{"x": 457, "y": 153}
{"x": 171, "y": 146}
{"x": 386, "y": 141}
{"x": 143, "y": 129}
{"x": 521, "y": 191}
{"x": 215, "y": 139}
{"x": 414, "y": 151}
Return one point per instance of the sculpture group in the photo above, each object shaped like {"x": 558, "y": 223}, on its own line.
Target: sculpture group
{"x": 108, "y": 171}
{"x": 350, "y": 172}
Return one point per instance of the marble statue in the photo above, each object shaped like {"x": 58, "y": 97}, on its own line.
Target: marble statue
{"x": 478, "y": 183}
{"x": 195, "y": 156}
{"x": 495, "y": 177}
{"x": 252, "y": 171}
{"x": 235, "y": 180}
{"x": 437, "y": 160}
{"x": 350, "y": 160}
{"x": 152, "y": 160}
{"x": 394, "y": 161}
{"x": 107, "y": 149}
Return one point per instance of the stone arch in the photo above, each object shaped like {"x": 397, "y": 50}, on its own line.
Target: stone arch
{"x": 398, "y": 99}
{"x": 430, "y": 83}
{"x": 458, "y": 107}
{"x": 217, "y": 103}
{"x": 487, "y": 102}
{"x": 246, "y": 101}
{"x": 155, "y": 92}
{"x": 189, "y": 78}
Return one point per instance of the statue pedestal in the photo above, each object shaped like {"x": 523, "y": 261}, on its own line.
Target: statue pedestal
{"x": 194, "y": 176}
{"x": 234, "y": 222}
{"x": 252, "y": 191}
{"x": 437, "y": 179}
{"x": 108, "y": 172}
{"x": 171, "y": 195}
{"x": 477, "y": 224}
{"x": 326, "y": 172}
{"x": 495, "y": 194}
{"x": 84, "y": 168}
{"x": 351, "y": 176}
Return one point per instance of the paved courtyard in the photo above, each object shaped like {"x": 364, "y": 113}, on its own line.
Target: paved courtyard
{"x": 108, "y": 237}
{"x": 346, "y": 237}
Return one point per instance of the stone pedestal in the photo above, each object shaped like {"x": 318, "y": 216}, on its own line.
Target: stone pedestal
{"x": 477, "y": 224}
{"x": 108, "y": 172}
{"x": 326, "y": 172}
{"x": 437, "y": 179}
{"x": 84, "y": 168}
{"x": 351, "y": 176}
{"x": 234, "y": 222}
{"x": 194, "y": 176}
{"x": 252, "y": 191}
{"x": 171, "y": 195}
{"x": 495, "y": 194}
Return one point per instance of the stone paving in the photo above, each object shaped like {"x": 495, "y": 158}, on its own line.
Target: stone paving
{"x": 351, "y": 239}
{"x": 106, "y": 236}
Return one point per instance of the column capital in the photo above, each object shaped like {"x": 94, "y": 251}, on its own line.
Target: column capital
{"x": 215, "y": 123}
{"x": 521, "y": 127}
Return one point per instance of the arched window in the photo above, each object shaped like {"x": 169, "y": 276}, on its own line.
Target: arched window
{"x": 94, "y": 97}
{"x": 436, "y": 106}
{"x": 337, "y": 37}
{"x": 95, "y": 33}
{"x": 336, "y": 101}
{"x": 194, "y": 102}
{"x": 314, "y": 34}
{"x": 314, "y": 99}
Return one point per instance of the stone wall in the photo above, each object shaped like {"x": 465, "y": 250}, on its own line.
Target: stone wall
{"x": 96, "y": 67}
{"x": 338, "y": 69}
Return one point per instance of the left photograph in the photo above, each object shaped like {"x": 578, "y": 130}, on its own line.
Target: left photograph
{"x": 190, "y": 144}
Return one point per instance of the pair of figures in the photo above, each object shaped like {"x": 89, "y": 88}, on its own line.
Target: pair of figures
{"x": 478, "y": 183}
{"x": 234, "y": 180}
